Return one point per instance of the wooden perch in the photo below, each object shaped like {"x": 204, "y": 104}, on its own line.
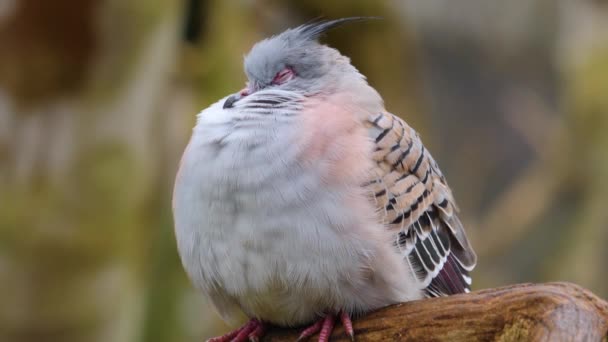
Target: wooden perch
{"x": 524, "y": 312}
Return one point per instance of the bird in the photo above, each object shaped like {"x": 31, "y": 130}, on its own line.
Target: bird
{"x": 300, "y": 200}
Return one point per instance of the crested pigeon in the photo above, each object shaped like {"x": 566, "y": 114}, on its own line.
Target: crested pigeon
{"x": 300, "y": 200}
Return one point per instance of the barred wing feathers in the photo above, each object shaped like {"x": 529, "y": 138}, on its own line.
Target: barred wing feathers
{"x": 415, "y": 202}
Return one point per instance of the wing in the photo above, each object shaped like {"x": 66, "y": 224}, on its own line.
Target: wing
{"x": 416, "y": 203}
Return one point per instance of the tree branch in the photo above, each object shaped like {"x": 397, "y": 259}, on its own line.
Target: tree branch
{"x": 523, "y": 312}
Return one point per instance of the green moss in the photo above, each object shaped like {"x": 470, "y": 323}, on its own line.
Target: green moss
{"x": 516, "y": 331}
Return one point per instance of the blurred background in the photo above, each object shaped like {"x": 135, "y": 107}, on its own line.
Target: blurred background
{"x": 98, "y": 98}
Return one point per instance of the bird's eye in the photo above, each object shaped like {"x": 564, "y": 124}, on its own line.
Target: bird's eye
{"x": 283, "y": 76}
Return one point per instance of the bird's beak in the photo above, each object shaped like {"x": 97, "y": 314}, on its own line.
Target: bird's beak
{"x": 232, "y": 99}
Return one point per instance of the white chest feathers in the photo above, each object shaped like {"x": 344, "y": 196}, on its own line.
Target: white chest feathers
{"x": 266, "y": 221}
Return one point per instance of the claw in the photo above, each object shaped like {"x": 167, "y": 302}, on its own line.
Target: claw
{"x": 227, "y": 337}
{"x": 348, "y": 325}
{"x": 311, "y": 330}
{"x": 257, "y": 333}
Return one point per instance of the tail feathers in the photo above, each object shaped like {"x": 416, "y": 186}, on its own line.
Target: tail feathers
{"x": 452, "y": 279}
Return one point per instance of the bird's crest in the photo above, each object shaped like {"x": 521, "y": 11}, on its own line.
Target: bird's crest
{"x": 296, "y": 48}
{"x": 313, "y": 30}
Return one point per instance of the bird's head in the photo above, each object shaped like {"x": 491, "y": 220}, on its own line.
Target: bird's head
{"x": 295, "y": 61}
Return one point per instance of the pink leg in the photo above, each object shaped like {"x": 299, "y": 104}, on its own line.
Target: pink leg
{"x": 227, "y": 337}
{"x": 257, "y": 333}
{"x": 311, "y": 330}
{"x": 327, "y": 328}
{"x": 325, "y": 325}
{"x": 347, "y": 324}
{"x": 253, "y": 330}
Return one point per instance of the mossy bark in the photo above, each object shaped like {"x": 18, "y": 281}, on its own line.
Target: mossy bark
{"x": 525, "y": 312}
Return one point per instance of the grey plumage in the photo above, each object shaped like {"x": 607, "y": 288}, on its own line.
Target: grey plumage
{"x": 299, "y": 49}
{"x": 300, "y": 195}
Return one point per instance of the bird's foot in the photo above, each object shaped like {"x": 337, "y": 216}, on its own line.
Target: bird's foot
{"x": 252, "y": 331}
{"x": 325, "y": 325}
